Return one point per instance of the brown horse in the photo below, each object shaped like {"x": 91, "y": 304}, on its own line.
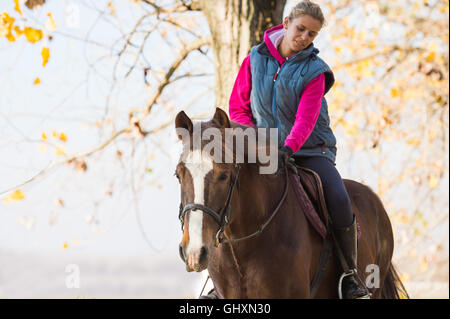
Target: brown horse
{"x": 280, "y": 260}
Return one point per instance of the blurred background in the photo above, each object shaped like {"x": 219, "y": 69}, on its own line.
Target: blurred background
{"x": 88, "y": 94}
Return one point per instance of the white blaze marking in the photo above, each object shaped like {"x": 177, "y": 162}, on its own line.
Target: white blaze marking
{"x": 198, "y": 167}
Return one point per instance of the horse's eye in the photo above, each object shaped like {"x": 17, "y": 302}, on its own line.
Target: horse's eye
{"x": 223, "y": 177}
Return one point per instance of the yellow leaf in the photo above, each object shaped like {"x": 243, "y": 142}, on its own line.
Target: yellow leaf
{"x": 112, "y": 10}
{"x": 59, "y": 151}
{"x": 65, "y": 245}
{"x": 10, "y": 37}
{"x": 37, "y": 81}
{"x": 395, "y": 92}
{"x": 430, "y": 57}
{"x": 17, "y": 7}
{"x": 3, "y": 29}
{"x": 54, "y": 134}
{"x": 414, "y": 141}
{"x": 63, "y": 137}
{"x": 18, "y": 195}
{"x": 44, "y": 136}
{"x": 15, "y": 196}
{"x": 33, "y": 35}
{"x": 45, "y": 53}
{"x": 18, "y": 31}
{"x": 50, "y": 24}
{"x": 432, "y": 182}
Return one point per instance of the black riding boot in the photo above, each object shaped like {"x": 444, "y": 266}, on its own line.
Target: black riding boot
{"x": 347, "y": 238}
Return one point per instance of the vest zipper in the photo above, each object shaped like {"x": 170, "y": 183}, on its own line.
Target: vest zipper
{"x": 276, "y": 74}
{"x": 274, "y": 110}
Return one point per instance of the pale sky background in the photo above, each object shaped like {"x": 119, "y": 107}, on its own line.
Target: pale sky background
{"x": 71, "y": 98}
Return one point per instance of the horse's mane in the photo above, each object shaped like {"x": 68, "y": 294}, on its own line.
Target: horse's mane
{"x": 248, "y": 150}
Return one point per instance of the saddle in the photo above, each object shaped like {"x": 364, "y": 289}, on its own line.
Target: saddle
{"x": 308, "y": 188}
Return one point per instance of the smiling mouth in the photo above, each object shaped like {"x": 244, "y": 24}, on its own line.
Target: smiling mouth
{"x": 298, "y": 44}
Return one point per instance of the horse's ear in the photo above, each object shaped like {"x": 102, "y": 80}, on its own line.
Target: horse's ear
{"x": 182, "y": 121}
{"x": 221, "y": 118}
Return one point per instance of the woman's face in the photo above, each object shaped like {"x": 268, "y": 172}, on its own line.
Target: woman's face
{"x": 301, "y": 31}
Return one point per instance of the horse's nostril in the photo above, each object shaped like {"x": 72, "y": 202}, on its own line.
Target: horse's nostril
{"x": 181, "y": 250}
{"x": 203, "y": 254}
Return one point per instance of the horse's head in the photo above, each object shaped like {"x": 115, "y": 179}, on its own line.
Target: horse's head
{"x": 206, "y": 182}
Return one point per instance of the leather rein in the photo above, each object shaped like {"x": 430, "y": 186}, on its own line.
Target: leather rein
{"x": 222, "y": 217}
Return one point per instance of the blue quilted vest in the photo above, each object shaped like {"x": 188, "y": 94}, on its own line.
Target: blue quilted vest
{"x": 276, "y": 93}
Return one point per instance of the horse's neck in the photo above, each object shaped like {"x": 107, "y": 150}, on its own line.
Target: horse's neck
{"x": 258, "y": 196}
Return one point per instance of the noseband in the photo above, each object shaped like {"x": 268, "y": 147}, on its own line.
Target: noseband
{"x": 223, "y": 217}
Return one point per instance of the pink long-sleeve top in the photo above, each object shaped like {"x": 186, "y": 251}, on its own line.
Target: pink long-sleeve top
{"x": 310, "y": 102}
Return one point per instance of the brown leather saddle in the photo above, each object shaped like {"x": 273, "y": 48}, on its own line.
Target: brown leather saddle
{"x": 308, "y": 188}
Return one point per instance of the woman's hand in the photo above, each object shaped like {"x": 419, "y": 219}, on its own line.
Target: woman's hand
{"x": 284, "y": 154}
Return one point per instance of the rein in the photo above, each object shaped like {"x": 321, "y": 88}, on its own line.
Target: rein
{"x": 223, "y": 217}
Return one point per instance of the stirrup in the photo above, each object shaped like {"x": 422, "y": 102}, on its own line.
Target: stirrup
{"x": 211, "y": 295}
{"x": 353, "y": 272}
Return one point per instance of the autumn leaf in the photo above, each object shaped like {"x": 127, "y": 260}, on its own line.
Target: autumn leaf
{"x": 33, "y": 35}
{"x": 112, "y": 10}
{"x": 6, "y": 26}
{"x": 17, "y": 7}
{"x": 65, "y": 245}
{"x": 59, "y": 151}
{"x": 430, "y": 57}
{"x": 62, "y": 136}
{"x": 31, "y": 4}
{"x": 37, "y": 81}
{"x": 432, "y": 182}
{"x": 414, "y": 141}
{"x": 15, "y": 196}
{"x": 395, "y": 92}
{"x": 50, "y": 25}
{"x": 45, "y": 53}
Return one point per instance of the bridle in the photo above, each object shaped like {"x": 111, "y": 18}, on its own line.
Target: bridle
{"x": 222, "y": 217}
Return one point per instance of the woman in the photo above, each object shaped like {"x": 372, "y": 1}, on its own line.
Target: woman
{"x": 281, "y": 84}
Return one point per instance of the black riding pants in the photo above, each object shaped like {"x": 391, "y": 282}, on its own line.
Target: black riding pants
{"x": 336, "y": 196}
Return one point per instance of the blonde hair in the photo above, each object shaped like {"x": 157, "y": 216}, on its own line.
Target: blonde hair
{"x": 307, "y": 8}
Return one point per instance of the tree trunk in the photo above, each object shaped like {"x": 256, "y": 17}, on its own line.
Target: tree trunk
{"x": 236, "y": 26}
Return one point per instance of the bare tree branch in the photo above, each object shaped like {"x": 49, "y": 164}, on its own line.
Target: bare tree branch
{"x": 181, "y": 57}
